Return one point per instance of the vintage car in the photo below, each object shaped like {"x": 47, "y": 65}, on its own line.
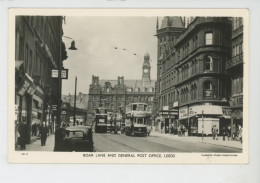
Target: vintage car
{"x": 75, "y": 138}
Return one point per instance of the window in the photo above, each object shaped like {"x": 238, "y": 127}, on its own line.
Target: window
{"x": 207, "y": 89}
{"x": 209, "y": 63}
{"x": 237, "y": 85}
{"x": 209, "y": 38}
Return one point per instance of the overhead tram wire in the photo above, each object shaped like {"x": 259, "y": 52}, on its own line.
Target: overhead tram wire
{"x": 129, "y": 52}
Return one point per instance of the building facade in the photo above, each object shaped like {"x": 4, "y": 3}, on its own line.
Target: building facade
{"x": 235, "y": 69}
{"x": 116, "y": 94}
{"x": 38, "y": 50}
{"x": 191, "y": 73}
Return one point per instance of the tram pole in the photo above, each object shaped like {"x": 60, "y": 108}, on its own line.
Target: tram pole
{"x": 202, "y": 124}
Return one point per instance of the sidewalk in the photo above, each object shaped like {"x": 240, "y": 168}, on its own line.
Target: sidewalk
{"x": 206, "y": 140}
{"x": 36, "y": 145}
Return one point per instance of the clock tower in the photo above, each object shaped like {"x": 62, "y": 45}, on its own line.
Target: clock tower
{"x": 146, "y": 68}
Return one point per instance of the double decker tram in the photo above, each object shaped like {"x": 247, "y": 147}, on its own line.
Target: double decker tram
{"x": 137, "y": 119}
{"x": 101, "y": 122}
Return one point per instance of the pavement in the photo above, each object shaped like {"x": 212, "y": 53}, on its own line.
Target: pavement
{"x": 206, "y": 140}
{"x": 35, "y": 144}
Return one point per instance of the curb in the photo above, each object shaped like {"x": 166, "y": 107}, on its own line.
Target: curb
{"x": 202, "y": 142}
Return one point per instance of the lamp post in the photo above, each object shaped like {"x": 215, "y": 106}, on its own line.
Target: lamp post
{"x": 202, "y": 123}
{"x": 74, "y": 121}
{"x": 59, "y": 72}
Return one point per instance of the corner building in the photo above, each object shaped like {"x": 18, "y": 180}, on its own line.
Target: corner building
{"x": 191, "y": 75}
{"x": 116, "y": 94}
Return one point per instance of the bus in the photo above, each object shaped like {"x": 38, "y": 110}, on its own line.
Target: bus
{"x": 137, "y": 119}
{"x": 102, "y": 124}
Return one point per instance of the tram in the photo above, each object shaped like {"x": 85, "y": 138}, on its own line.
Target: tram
{"x": 101, "y": 121}
{"x": 137, "y": 119}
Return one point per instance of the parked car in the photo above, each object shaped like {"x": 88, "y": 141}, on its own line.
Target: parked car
{"x": 75, "y": 138}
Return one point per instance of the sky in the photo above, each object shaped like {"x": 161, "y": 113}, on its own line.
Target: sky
{"x": 96, "y": 39}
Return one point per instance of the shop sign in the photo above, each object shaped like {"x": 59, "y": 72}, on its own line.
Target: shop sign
{"x": 31, "y": 89}
{"x": 227, "y": 112}
{"x": 175, "y": 104}
{"x": 55, "y": 73}
{"x": 24, "y": 113}
{"x": 24, "y": 88}
{"x": 183, "y": 112}
{"x": 53, "y": 107}
{"x": 206, "y": 109}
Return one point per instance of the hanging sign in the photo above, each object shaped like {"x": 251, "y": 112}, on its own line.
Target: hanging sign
{"x": 64, "y": 73}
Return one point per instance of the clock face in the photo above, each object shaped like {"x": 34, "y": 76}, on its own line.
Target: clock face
{"x": 145, "y": 70}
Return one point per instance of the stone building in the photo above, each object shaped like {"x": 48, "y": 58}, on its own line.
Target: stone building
{"x": 191, "y": 73}
{"x": 38, "y": 50}
{"x": 235, "y": 69}
{"x": 116, "y": 94}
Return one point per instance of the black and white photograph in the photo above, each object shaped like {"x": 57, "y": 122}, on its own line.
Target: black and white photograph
{"x": 154, "y": 85}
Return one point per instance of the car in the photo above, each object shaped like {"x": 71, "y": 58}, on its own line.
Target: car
{"x": 74, "y": 139}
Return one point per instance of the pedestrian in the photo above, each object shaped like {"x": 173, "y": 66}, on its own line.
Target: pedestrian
{"x": 171, "y": 129}
{"x": 43, "y": 132}
{"x": 228, "y": 132}
{"x": 179, "y": 130}
{"x": 22, "y": 131}
{"x": 214, "y": 132}
{"x": 240, "y": 134}
{"x": 183, "y": 130}
{"x": 224, "y": 132}
{"x": 60, "y": 136}
{"x": 34, "y": 129}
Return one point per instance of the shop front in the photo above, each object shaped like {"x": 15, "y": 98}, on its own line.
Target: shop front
{"x": 168, "y": 120}
{"x": 199, "y": 119}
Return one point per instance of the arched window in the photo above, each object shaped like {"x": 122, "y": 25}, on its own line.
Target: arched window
{"x": 209, "y": 63}
{"x": 207, "y": 89}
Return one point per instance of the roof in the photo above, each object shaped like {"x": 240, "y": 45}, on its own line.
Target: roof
{"x": 130, "y": 83}
{"x": 78, "y": 128}
{"x": 172, "y": 22}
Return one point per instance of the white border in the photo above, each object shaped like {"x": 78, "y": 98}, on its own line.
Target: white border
{"x": 180, "y": 158}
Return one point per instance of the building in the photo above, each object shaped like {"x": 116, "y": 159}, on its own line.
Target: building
{"x": 191, "y": 73}
{"x": 81, "y": 100}
{"x": 116, "y": 94}
{"x": 38, "y": 50}
{"x": 235, "y": 69}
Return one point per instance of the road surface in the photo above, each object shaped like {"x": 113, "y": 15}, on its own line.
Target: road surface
{"x": 106, "y": 142}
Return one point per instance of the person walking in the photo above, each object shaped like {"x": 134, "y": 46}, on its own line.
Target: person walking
{"x": 241, "y": 134}
{"x": 43, "y": 132}
{"x": 34, "y": 129}
{"x": 224, "y": 133}
{"x": 214, "y": 132}
{"x": 22, "y": 130}
{"x": 228, "y": 132}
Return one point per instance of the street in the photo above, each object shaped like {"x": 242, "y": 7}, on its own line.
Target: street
{"x": 122, "y": 143}
{"x": 109, "y": 142}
